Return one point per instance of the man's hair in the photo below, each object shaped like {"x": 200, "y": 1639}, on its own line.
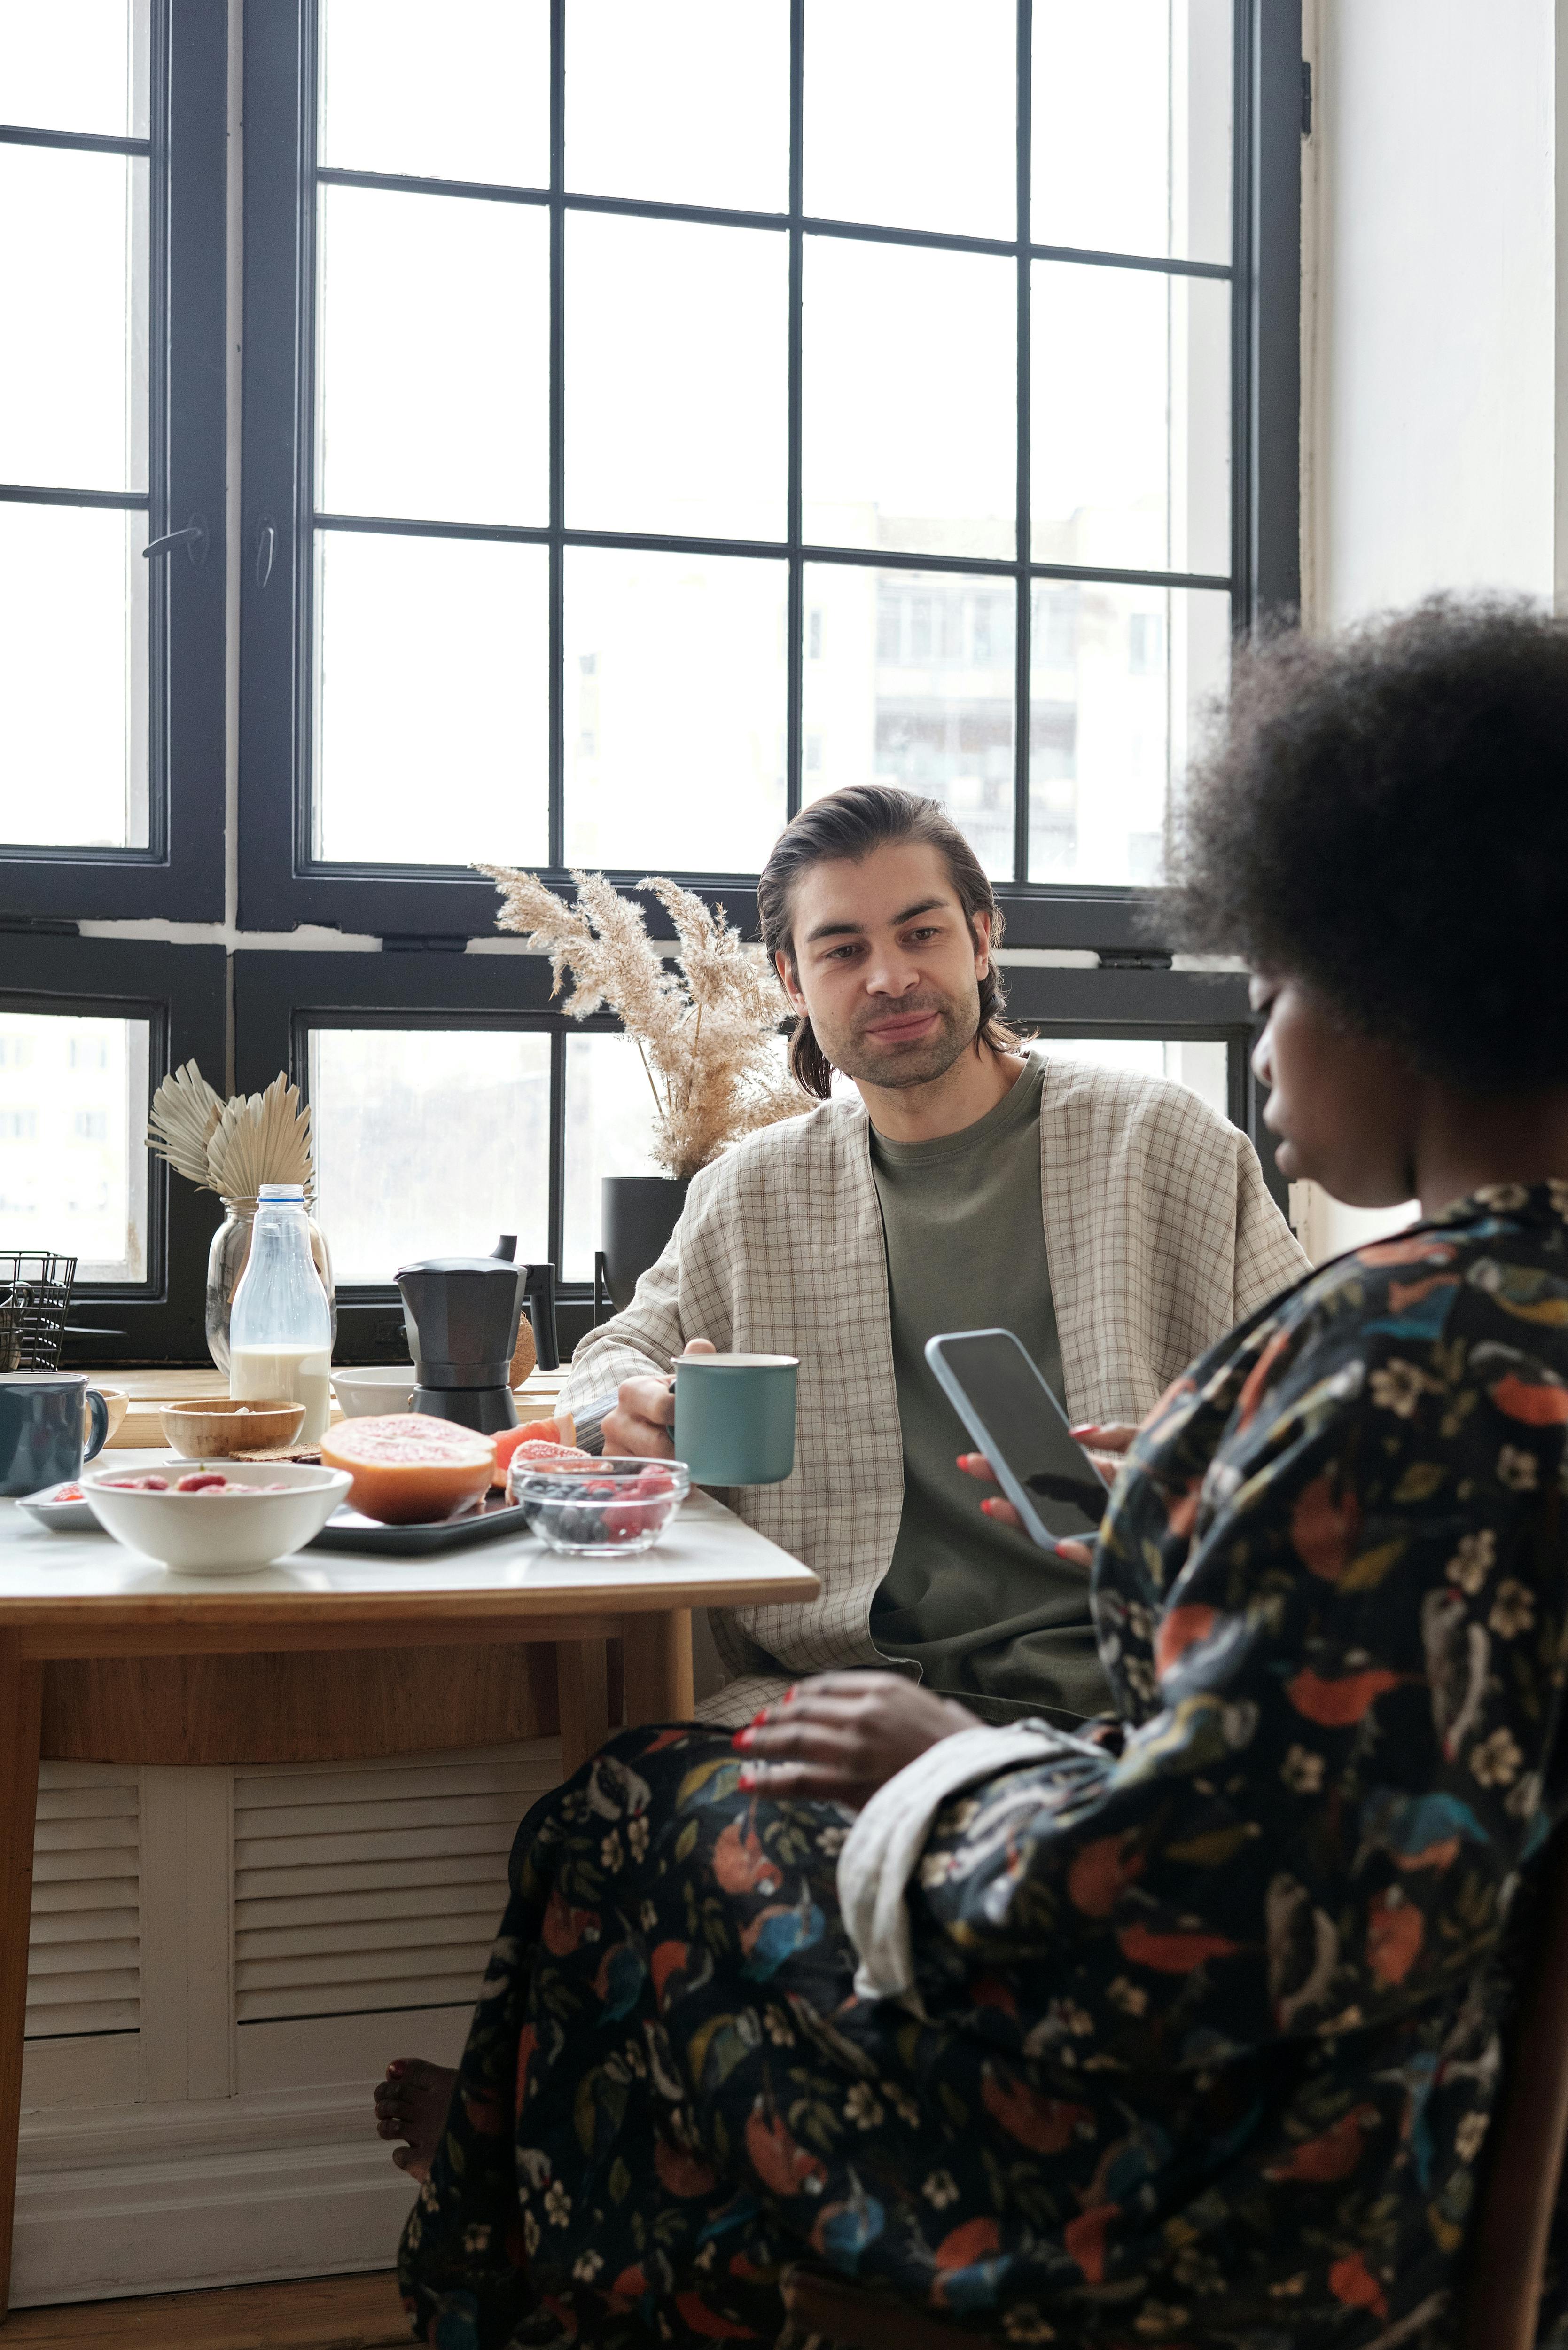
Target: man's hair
{"x": 849, "y": 825}
{"x": 1384, "y": 816}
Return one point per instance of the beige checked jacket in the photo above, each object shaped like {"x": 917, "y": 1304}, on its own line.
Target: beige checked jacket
{"x": 1160, "y": 1236}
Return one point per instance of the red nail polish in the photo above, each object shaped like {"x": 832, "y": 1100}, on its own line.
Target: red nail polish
{"x": 758, "y": 1719}
{"x": 789, "y": 1697}
{"x": 741, "y": 1738}
{"x": 747, "y": 1780}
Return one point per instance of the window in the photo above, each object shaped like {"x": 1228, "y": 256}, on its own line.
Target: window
{"x": 722, "y": 410}
{"x": 82, "y": 1186}
{"x": 88, "y": 1028}
{"x": 389, "y": 1186}
{"x": 111, "y": 438}
{"x": 1194, "y": 1028}
{"x": 652, "y": 419}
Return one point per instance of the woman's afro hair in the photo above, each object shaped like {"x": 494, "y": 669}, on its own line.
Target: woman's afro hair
{"x": 1384, "y": 816}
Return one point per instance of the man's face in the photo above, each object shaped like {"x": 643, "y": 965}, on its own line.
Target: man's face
{"x": 886, "y": 965}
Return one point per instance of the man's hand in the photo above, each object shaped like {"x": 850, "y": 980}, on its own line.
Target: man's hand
{"x": 843, "y": 1735}
{"x": 644, "y": 1414}
{"x": 1104, "y": 1446}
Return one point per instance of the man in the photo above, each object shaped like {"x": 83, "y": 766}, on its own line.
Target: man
{"x": 1113, "y": 1221}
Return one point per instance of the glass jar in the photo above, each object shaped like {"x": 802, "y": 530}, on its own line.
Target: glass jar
{"x": 226, "y": 1260}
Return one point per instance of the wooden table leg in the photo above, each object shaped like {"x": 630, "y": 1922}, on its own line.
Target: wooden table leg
{"x": 583, "y": 1693}
{"x": 21, "y": 1703}
{"x": 659, "y": 1668}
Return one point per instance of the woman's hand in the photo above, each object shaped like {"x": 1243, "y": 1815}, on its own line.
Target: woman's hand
{"x": 1103, "y": 1442}
{"x": 843, "y": 1735}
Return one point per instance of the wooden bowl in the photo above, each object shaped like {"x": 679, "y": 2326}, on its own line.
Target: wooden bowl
{"x": 215, "y": 1429}
{"x": 118, "y": 1404}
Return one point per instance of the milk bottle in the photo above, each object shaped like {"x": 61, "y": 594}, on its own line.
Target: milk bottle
{"x": 280, "y": 1332}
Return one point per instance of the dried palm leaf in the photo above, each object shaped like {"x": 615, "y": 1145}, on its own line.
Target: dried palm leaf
{"x": 184, "y": 1116}
{"x": 261, "y": 1138}
{"x": 705, "y": 1025}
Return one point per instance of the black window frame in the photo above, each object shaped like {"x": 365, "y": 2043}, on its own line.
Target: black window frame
{"x": 182, "y": 993}
{"x": 179, "y": 875}
{"x": 280, "y": 884}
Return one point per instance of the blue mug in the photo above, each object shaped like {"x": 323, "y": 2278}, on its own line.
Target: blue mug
{"x": 41, "y": 1434}
{"x": 734, "y": 1418}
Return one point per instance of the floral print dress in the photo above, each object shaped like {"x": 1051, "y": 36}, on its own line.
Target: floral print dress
{"x": 1206, "y": 2033}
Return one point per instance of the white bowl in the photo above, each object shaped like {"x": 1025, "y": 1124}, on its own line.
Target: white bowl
{"x": 389, "y": 1386}
{"x": 219, "y": 1533}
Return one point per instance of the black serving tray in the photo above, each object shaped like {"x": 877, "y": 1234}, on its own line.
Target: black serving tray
{"x": 348, "y": 1530}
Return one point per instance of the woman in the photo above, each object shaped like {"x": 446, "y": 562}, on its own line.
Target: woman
{"x": 1185, "y": 2032}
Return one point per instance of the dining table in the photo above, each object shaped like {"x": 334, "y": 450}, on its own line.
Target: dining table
{"x": 107, "y": 1657}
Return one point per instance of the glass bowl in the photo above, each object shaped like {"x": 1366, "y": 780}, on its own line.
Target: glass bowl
{"x": 603, "y": 1509}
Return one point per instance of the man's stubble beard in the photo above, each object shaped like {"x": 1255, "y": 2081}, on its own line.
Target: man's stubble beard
{"x": 899, "y": 1069}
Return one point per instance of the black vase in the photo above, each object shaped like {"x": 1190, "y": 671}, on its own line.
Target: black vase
{"x": 639, "y": 1213}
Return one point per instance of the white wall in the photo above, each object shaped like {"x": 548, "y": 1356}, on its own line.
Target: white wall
{"x": 1430, "y": 217}
{"x": 1429, "y": 359}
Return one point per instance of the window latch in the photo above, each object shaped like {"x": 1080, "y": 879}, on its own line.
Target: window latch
{"x": 192, "y": 538}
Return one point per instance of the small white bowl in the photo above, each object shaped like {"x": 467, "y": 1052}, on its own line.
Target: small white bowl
{"x": 389, "y": 1386}
{"x": 219, "y": 1533}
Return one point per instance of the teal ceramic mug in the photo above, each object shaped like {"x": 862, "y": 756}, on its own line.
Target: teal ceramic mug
{"x": 734, "y": 1418}
{"x": 41, "y": 1429}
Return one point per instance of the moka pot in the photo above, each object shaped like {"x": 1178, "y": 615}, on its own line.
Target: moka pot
{"x": 462, "y": 1314}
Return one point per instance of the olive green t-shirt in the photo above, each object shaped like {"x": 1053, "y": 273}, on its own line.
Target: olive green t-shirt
{"x": 989, "y": 1616}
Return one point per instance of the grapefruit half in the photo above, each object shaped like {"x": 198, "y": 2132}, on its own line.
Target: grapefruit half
{"x": 408, "y": 1469}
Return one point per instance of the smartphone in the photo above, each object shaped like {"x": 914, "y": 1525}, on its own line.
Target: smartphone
{"x": 994, "y": 1385}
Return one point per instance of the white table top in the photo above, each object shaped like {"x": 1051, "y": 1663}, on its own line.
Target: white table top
{"x": 708, "y": 1557}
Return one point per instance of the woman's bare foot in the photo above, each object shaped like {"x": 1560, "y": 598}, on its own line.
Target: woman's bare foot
{"x": 411, "y": 2104}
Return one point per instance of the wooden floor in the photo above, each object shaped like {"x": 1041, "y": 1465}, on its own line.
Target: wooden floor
{"x": 352, "y": 2312}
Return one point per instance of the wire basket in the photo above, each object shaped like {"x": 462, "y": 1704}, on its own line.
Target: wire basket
{"x": 38, "y": 1282}
{"x": 13, "y": 1304}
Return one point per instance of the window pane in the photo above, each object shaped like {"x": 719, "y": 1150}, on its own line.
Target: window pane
{"x": 694, "y": 319}
{"x": 909, "y": 397}
{"x": 910, "y": 113}
{"x": 77, "y": 67}
{"x": 73, "y": 676}
{"x": 431, "y": 700}
{"x": 1119, "y": 677}
{"x": 1203, "y": 1065}
{"x": 609, "y": 1124}
{"x": 432, "y": 373}
{"x": 461, "y": 92}
{"x": 674, "y": 711}
{"x": 73, "y": 292}
{"x": 74, "y": 1098}
{"x": 1131, "y": 123}
{"x": 1130, "y": 415}
{"x": 428, "y": 1142}
{"x": 909, "y": 679}
{"x": 687, "y": 101}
